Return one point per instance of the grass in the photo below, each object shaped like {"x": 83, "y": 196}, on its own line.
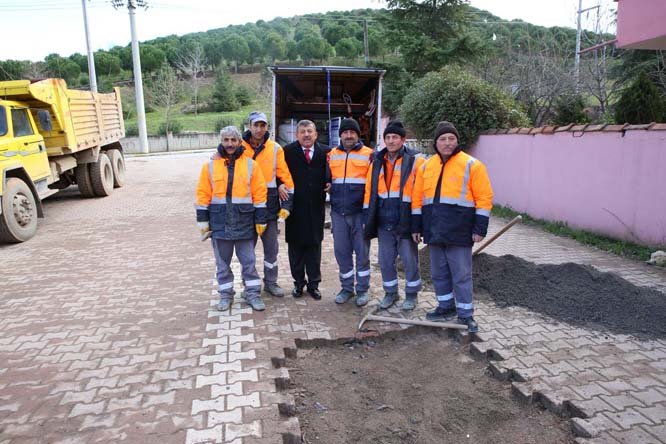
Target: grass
{"x": 203, "y": 122}
{"x": 619, "y": 247}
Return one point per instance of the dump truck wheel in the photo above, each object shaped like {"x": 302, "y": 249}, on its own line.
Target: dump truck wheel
{"x": 18, "y": 221}
{"x": 118, "y": 165}
{"x": 101, "y": 175}
{"x": 82, "y": 172}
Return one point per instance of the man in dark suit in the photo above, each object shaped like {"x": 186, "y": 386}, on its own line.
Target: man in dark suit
{"x": 304, "y": 233}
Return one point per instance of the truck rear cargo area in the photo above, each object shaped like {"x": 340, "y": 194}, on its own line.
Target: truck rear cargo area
{"x": 325, "y": 95}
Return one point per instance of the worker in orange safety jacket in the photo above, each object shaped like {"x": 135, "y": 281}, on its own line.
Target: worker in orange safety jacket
{"x": 348, "y": 164}
{"x": 270, "y": 157}
{"x": 451, "y": 206}
{"x": 231, "y": 210}
{"x": 387, "y": 210}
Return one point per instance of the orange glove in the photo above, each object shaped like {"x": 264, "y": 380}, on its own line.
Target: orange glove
{"x": 283, "y": 214}
{"x": 260, "y": 228}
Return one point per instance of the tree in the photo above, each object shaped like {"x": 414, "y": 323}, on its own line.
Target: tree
{"x": 166, "y": 91}
{"x": 429, "y": 33}
{"x": 13, "y": 69}
{"x": 348, "y": 47}
{"x": 57, "y": 66}
{"x": 471, "y": 104}
{"x": 570, "y": 108}
{"x": 334, "y": 32}
{"x": 235, "y": 48}
{"x": 376, "y": 43}
{"x": 107, "y": 64}
{"x": 641, "y": 102}
{"x": 213, "y": 52}
{"x": 224, "y": 92}
{"x": 314, "y": 47}
{"x": 152, "y": 58}
{"x": 192, "y": 64}
{"x": 292, "y": 51}
{"x": 256, "y": 49}
{"x": 276, "y": 47}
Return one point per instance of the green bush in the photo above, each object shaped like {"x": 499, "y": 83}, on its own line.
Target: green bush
{"x": 471, "y": 104}
{"x": 175, "y": 127}
{"x": 222, "y": 122}
{"x": 131, "y": 131}
{"x": 244, "y": 95}
{"x": 570, "y": 108}
{"x": 224, "y": 93}
{"x": 641, "y": 102}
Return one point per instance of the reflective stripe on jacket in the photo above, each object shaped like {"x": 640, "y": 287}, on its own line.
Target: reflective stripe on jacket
{"x": 462, "y": 205}
{"x": 348, "y": 176}
{"x": 388, "y": 198}
{"x": 270, "y": 157}
{"x": 232, "y": 211}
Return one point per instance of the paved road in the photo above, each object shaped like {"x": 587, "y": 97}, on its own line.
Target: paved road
{"x": 109, "y": 333}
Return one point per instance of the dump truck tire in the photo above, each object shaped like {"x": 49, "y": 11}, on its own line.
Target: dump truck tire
{"x": 118, "y": 165}
{"x": 101, "y": 175}
{"x": 82, "y": 172}
{"x": 18, "y": 221}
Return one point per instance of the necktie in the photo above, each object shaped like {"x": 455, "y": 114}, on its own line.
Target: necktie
{"x": 307, "y": 155}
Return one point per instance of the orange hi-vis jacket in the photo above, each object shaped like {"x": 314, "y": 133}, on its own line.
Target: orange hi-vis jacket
{"x": 349, "y": 170}
{"x": 451, "y": 200}
{"x": 270, "y": 157}
{"x": 388, "y": 205}
{"x": 231, "y": 196}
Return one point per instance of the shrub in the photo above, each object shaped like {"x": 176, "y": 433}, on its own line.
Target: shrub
{"x": 131, "y": 131}
{"x": 471, "y": 104}
{"x": 570, "y": 108}
{"x": 175, "y": 127}
{"x": 222, "y": 122}
{"x": 641, "y": 102}
{"x": 244, "y": 95}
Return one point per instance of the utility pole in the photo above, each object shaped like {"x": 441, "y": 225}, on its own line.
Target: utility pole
{"x": 365, "y": 42}
{"x": 91, "y": 59}
{"x": 138, "y": 81}
{"x": 578, "y": 33}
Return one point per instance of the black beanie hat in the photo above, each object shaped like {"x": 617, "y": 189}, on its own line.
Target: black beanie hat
{"x": 349, "y": 124}
{"x": 395, "y": 127}
{"x": 445, "y": 127}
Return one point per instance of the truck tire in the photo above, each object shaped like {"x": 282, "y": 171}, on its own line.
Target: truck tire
{"x": 18, "y": 221}
{"x": 118, "y": 165}
{"x": 101, "y": 175}
{"x": 82, "y": 172}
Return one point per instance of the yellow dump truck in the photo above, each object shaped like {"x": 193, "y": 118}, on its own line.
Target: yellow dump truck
{"x": 52, "y": 137}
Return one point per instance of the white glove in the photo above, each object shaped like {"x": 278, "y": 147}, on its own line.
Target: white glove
{"x": 204, "y": 227}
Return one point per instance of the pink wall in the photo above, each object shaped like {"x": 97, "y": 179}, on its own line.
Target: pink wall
{"x": 582, "y": 178}
{"x": 640, "y": 24}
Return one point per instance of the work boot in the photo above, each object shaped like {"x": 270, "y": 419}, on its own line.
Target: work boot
{"x": 389, "y": 300}
{"x": 441, "y": 314}
{"x": 362, "y": 298}
{"x": 255, "y": 302}
{"x": 343, "y": 296}
{"x": 274, "y": 289}
{"x": 224, "y": 303}
{"x": 471, "y": 324}
{"x": 410, "y": 302}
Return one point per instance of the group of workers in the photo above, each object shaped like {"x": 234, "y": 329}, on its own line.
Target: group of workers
{"x": 394, "y": 194}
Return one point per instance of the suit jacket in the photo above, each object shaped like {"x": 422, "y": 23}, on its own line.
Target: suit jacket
{"x": 305, "y": 225}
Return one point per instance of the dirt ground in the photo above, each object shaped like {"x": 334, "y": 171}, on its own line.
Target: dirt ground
{"x": 416, "y": 386}
{"x": 574, "y": 293}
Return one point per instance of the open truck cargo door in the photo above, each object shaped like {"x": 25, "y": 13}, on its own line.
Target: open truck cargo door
{"x": 325, "y": 95}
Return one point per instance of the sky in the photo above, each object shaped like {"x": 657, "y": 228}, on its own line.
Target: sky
{"x": 43, "y": 27}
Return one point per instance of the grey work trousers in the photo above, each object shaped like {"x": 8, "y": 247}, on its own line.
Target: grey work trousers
{"x": 391, "y": 244}
{"x": 451, "y": 270}
{"x": 269, "y": 240}
{"x": 224, "y": 250}
{"x": 348, "y": 240}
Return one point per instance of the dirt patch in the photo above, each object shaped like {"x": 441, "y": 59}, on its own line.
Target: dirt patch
{"x": 574, "y": 293}
{"x": 419, "y": 387}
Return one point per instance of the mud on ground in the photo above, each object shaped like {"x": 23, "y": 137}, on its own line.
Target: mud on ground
{"x": 578, "y": 294}
{"x": 415, "y": 387}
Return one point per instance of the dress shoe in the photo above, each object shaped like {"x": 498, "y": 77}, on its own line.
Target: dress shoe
{"x": 297, "y": 292}
{"x": 315, "y": 293}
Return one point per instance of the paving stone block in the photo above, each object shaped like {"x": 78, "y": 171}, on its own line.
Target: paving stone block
{"x": 124, "y": 403}
{"x": 203, "y": 405}
{"x": 90, "y": 421}
{"x": 587, "y": 408}
{"x": 656, "y": 413}
{"x": 87, "y": 409}
{"x": 85, "y": 397}
{"x": 250, "y": 400}
{"x": 218, "y": 378}
{"x": 232, "y": 416}
{"x": 627, "y": 418}
{"x": 166, "y": 398}
{"x": 235, "y": 431}
{"x": 227, "y": 389}
{"x": 205, "y": 436}
{"x": 621, "y": 402}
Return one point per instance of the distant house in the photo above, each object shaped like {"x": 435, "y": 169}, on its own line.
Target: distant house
{"x": 641, "y": 24}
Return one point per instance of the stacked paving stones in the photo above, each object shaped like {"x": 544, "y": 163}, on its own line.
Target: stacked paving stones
{"x": 110, "y": 333}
